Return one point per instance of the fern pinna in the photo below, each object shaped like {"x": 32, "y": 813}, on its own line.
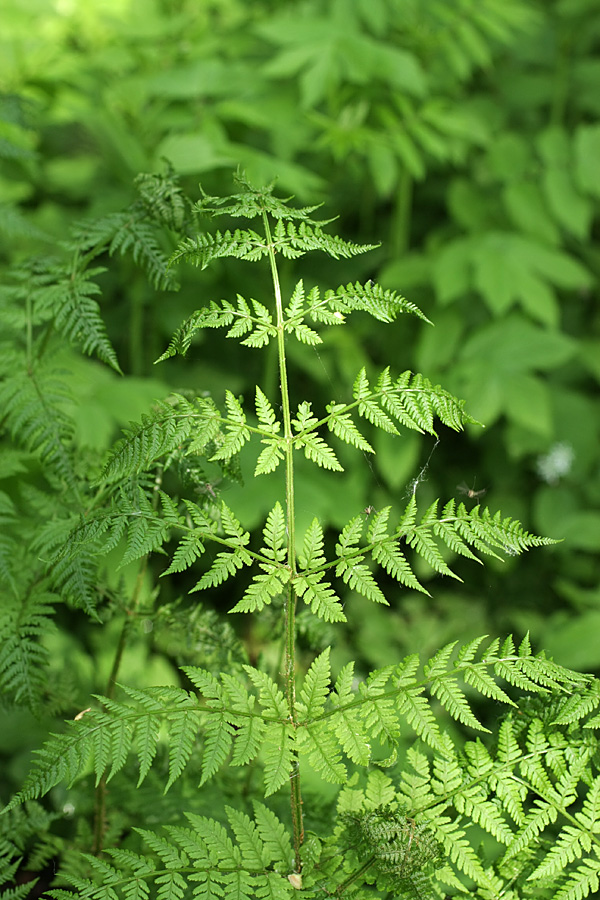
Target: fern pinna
{"x": 513, "y": 813}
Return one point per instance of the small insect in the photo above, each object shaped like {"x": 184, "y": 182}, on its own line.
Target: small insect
{"x": 471, "y": 493}
{"x": 368, "y": 511}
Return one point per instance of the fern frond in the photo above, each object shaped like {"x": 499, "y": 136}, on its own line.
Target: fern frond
{"x": 171, "y": 423}
{"x": 581, "y": 883}
{"x": 294, "y": 318}
{"x": 251, "y": 202}
{"x": 24, "y": 658}
{"x": 266, "y": 414}
{"x": 163, "y": 198}
{"x": 69, "y": 548}
{"x": 350, "y": 564}
{"x": 410, "y": 399}
{"x": 340, "y": 423}
{"x": 270, "y": 457}
{"x": 67, "y": 295}
{"x": 315, "y": 448}
{"x": 134, "y": 235}
{"x": 263, "y": 588}
{"x": 368, "y": 407}
{"x": 34, "y": 404}
{"x": 237, "y": 431}
{"x": 322, "y": 751}
{"x": 204, "y": 248}
{"x": 350, "y": 730}
{"x": 224, "y": 566}
{"x": 129, "y": 231}
{"x": 293, "y": 240}
{"x": 382, "y": 303}
{"x": 314, "y": 691}
{"x": 320, "y": 596}
{"x": 249, "y": 859}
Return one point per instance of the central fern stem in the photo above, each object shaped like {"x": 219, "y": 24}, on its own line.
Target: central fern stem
{"x": 290, "y": 597}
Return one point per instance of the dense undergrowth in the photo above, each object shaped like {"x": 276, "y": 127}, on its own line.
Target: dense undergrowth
{"x": 464, "y": 139}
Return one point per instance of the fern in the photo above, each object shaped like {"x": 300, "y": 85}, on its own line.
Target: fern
{"x": 431, "y": 793}
{"x": 246, "y": 864}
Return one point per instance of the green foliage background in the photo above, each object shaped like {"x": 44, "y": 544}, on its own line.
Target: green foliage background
{"x": 465, "y": 137}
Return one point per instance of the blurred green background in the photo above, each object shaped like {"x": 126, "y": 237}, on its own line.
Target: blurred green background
{"x": 464, "y": 136}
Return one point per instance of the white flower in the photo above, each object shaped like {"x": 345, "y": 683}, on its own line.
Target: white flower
{"x": 557, "y": 462}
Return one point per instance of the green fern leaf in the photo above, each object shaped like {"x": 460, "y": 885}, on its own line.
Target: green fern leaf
{"x": 146, "y": 534}
{"x": 319, "y": 309}
{"x": 578, "y": 705}
{"x": 383, "y": 304}
{"x": 262, "y": 589}
{"x": 480, "y": 679}
{"x": 583, "y": 882}
{"x": 190, "y": 549}
{"x": 359, "y": 578}
{"x": 68, "y": 295}
{"x": 248, "y": 740}
{"x": 295, "y": 309}
{"x": 379, "y": 714}
{"x": 138, "y": 237}
{"x": 274, "y": 534}
{"x": 311, "y": 556}
{"x": 317, "y": 451}
{"x": 571, "y": 844}
{"x": 368, "y": 407}
{"x": 248, "y": 838}
{"x": 348, "y": 725}
{"x": 420, "y": 539}
{"x": 315, "y": 689}
{"x": 23, "y": 656}
{"x": 157, "y": 435}
{"x": 459, "y": 851}
{"x": 225, "y": 564}
{"x": 379, "y": 790}
{"x": 121, "y": 741}
{"x": 164, "y": 199}
{"x": 266, "y": 413}
{"x": 167, "y": 852}
{"x": 274, "y": 836}
{"x": 314, "y": 446}
{"x": 278, "y": 747}
{"x": 292, "y": 240}
{"x": 321, "y": 749}
{"x": 232, "y": 527}
{"x": 320, "y": 596}
{"x": 237, "y": 431}
{"x": 270, "y": 457}
{"x": 252, "y": 202}
{"x": 395, "y": 564}
{"x": 183, "y": 730}
{"x": 263, "y": 328}
{"x": 202, "y": 249}
{"x": 217, "y": 745}
{"x": 417, "y": 711}
{"x": 270, "y": 696}
{"x": 33, "y": 408}
{"x": 343, "y": 427}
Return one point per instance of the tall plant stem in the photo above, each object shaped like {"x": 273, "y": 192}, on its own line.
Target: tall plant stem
{"x": 290, "y": 597}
